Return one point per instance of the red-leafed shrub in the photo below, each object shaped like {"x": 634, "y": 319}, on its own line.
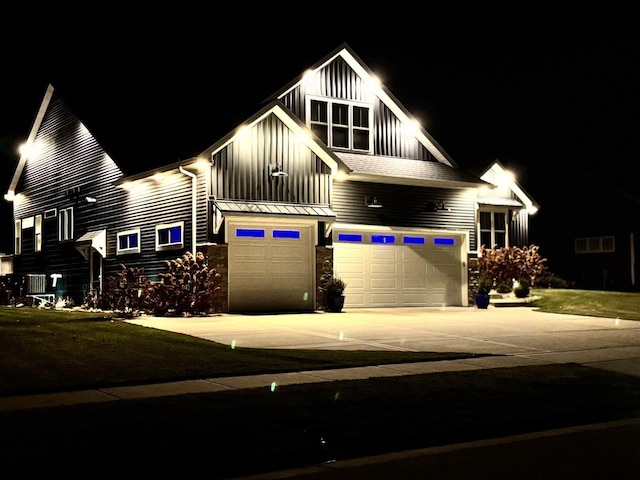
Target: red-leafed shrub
{"x": 187, "y": 288}
{"x": 506, "y": 264}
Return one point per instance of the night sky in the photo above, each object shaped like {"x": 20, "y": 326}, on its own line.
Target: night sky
{"x": 547, "y": 93}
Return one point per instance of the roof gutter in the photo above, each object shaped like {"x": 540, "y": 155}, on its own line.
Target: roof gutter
{"x": 194, "y": 204}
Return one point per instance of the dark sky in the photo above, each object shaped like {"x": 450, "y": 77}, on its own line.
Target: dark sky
{"x": 544, "y": 92}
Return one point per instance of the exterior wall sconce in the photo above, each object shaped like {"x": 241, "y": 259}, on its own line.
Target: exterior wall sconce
{"x": 90, "y": 199}
{"x": 372, "y": 202}
{"x": 437, "y": 206}
{"x": 278, "y": 172}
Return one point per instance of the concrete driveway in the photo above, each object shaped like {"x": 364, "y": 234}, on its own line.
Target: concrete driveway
{"x": 521, "y": 332}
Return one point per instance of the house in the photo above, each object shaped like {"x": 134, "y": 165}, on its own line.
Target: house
{"x": 332, "y": 169}
{"x": 594, "y": 241}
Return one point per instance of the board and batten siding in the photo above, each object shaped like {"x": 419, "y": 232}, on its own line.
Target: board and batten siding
{"x": 68, "y": 166}
{"x": 405, "y": 206}
{"x": 241, "y": 170}
{"x": 338, "y": 80}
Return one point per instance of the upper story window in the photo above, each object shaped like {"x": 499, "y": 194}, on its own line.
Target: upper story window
{"x": 128, "y": 242}
{"x": 170, "y": 235}
{"x": 65, "y": 224}
{"x": 37, "y": 233}
{"x": 17, "y": 239}
{"x": 493, "y": 228}
{"x": 595, "y": 245}
{"x": 341, "y": 124}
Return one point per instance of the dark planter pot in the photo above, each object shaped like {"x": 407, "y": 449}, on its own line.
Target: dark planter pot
{"x": 335, "y": 303}
{"x": 482, "y": 300}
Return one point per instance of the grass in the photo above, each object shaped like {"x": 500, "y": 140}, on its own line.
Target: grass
{"x": 235, "y": 433}
{"x": 45, "y": 350}
{"x": 595, "y": 303}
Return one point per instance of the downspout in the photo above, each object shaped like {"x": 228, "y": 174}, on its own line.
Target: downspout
{"x": 194, "y": 203}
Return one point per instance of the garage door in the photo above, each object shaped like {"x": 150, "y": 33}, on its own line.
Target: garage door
{"x": 399, "y": 268}
{"x": 271, "y": 267}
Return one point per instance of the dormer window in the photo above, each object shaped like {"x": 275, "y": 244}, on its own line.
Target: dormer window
{"x": 340, "y": 124}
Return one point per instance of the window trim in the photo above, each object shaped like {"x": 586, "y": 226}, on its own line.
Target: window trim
{"x": 130, "y": 250}
{"x": 65, "y": 219}
{"x": 37, "y": 233}
{"x": 600, "y": 249}
{"x": 171, "y": 245}
{"x": 17, "y": 237}
{"x": 350, "y": 127}
{"x": 501, "y": 211}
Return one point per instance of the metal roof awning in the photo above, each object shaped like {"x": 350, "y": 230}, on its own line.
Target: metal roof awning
{"x": 225, "y": 208}
{"x": 500, "y": 202}
{"x": 96, "y": 240}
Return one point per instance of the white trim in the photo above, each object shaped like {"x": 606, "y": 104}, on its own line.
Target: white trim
{"x": 171, "y": 245}
{"x": 125, "y": 251}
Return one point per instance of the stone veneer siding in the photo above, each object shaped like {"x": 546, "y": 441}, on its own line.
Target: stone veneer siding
{"x": 218, "y": 258}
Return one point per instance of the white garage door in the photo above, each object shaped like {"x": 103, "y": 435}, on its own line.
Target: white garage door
{"x": 271, "y": 267}
{"x": 399, "y": 268}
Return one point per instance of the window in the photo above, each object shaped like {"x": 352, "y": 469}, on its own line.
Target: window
{"x": 493, "y": 229}
{"x": 169, "y": 236}
{"x": 17, "y": 242}
{"x": 340, "y": 124}
{"x": 37, "y": 233}
{"x": 128, "y": 242}
{"x": 65, "y": 224}
{"x": 377, "y": 238}
{"x": 595, "y": 245}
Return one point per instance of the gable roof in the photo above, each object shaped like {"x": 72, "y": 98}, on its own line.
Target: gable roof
{"x": 499, "y": 176}
{"x": 274, "y": 108}
{"x": 24, "y": 155}
{"x": 381, "y": 91}
{"x": 404, "y": 171}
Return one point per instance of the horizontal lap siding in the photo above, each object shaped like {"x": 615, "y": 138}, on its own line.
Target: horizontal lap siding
{"x": 405, "y": 206}
{"x": 69, "y": 158}
{"x": 150, "y": 203}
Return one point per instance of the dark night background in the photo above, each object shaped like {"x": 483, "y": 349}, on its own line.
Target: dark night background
{"x": 554, "y": 95}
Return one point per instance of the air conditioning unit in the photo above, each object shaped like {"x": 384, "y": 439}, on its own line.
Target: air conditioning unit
{"x": 36, "y": 283}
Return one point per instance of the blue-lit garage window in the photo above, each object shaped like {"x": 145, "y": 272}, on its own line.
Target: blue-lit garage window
{"x": 383, "y": 238}
{"x": 446, "y": 241}
{"x": 407, "y": 240}
{"x": 286, "y": 234}
{"x": 350, "y": 237}
{"x": 250, "y": 232}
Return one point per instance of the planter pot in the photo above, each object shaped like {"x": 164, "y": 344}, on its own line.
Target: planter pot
{"x": 335, "y": 303}
{"x": 482, "y": 300}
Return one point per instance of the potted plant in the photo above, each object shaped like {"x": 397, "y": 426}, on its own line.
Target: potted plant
{"x": 485, "y": 284}
{"x": 334, "y": 294}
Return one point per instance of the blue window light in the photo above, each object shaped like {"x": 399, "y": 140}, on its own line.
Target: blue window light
{"x": 383, "y": 238}
{"x": 250, "y": 232}
{"x": 286, "y": 234}
{"x": 413, "y": 240}
{"x": 446, "y": 241}
{"x": 349, "y": 237}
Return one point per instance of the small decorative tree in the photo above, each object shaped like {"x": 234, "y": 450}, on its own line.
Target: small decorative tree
{"x": 187, "y": 288}
{"x": 506, "y": 264}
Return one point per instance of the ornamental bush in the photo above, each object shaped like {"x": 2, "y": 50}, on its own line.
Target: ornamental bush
{"x": 506, "y": 264}
{"x": 187, "y": 288}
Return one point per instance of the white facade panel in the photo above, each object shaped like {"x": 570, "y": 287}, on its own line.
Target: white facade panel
{"x": 271, "y": 266}
{"x": 393, "y": 267}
